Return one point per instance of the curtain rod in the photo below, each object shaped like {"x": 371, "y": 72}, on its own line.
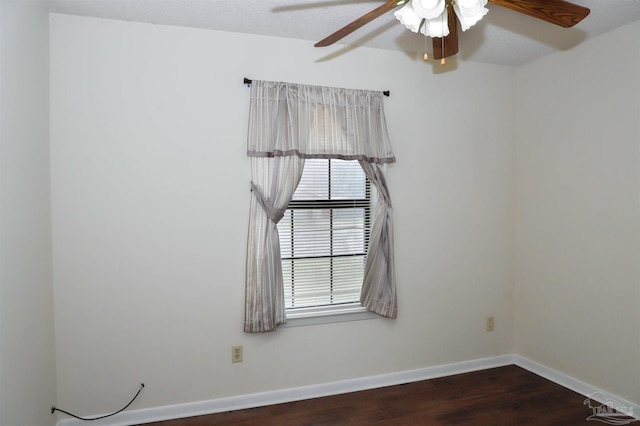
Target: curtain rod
{"x": 249, "y": 81}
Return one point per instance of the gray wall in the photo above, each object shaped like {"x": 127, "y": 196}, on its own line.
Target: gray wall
{"x": 27, "y": 352}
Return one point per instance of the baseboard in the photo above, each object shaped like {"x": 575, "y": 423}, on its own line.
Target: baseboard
{"x": 293, "y": 394}
{"x": 240, "y": 402}
{"x": 576, "y": 385}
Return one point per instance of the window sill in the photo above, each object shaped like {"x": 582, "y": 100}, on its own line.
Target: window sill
{"x": 328, "y": 315}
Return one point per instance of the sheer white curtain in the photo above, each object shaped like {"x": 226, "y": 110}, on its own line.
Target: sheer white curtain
{"x": 273, "y": 182}
{"x": 291, "y": 122}
{"x": 379, "y": 285}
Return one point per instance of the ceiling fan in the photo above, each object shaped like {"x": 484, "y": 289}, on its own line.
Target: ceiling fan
{"x": 437, "y": 18}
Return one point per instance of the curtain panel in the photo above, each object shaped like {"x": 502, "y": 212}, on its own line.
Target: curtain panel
{"x": 289, "y": 123}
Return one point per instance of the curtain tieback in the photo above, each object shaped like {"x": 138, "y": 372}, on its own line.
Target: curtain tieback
{"x": 274, "y": 214}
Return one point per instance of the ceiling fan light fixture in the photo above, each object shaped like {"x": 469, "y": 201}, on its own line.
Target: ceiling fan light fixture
{"x": 408, "y": 17}
{"x": 469, "y": 12}
{"x": 433, "y": 12}
{"x": 428, "y": 9}
{"x": 438, "y": 27}
{"x": 413, "y": 22}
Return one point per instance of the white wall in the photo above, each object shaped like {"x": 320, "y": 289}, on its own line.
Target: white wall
{"x": 578, "y": 221}
{"x": 27, "y": 351}
{"x": 150, "y": 198}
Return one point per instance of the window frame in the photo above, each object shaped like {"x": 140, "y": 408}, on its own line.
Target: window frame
{"x": 339, "y": 312}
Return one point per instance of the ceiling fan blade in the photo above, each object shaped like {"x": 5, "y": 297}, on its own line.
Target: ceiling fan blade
{"x": 557, "y": 12}
{"x": 364, "y": 19}
{"x": 450, "y": 42}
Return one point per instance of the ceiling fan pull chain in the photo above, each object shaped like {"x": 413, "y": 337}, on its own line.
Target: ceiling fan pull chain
{"x": 426, "y": 55}
{"x": 442, "y": 61}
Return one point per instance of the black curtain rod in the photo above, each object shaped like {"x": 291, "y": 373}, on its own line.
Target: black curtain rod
{"x": 248, "y": 81}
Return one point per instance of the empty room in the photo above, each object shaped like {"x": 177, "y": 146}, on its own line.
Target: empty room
{"x": 202, "y": 212}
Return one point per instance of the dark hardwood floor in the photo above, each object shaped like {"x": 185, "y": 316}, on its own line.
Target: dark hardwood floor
{"x": 499, "y": 396}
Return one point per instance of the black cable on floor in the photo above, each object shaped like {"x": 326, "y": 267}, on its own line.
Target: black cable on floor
{"x": 54, "y": 409}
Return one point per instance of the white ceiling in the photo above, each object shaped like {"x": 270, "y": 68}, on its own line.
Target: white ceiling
{"x": 502, "y": 37}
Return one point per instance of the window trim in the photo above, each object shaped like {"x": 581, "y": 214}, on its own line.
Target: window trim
{"x": 328, "y": 314}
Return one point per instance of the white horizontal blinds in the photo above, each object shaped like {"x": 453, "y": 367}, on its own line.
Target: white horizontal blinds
{"x": 324, "y": 235}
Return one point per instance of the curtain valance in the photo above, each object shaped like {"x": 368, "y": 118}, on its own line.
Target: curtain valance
{"x": 287, "y": 119}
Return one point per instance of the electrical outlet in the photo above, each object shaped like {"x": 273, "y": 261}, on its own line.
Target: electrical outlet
{"x": 236, "y": 353}
{"x": 490, "y": 323}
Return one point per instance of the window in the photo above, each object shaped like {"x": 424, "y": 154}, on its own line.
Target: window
{"x": 288, "y": 125}
{"x": 324, "y": 237}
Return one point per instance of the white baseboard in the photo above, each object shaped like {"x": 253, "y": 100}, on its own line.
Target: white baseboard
{"x": 240, "y": 402}
{"x": 575, "y": 385}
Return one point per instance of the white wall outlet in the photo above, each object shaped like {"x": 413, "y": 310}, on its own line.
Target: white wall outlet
{"x": 236, "y": 353}
{"x": 490, "y": 323}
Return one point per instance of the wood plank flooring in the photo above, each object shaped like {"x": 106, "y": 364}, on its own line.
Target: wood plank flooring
{"x": 500, "y": 396}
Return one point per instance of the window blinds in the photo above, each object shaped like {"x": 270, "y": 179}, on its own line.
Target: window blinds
{"x": 324, "y": 235}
